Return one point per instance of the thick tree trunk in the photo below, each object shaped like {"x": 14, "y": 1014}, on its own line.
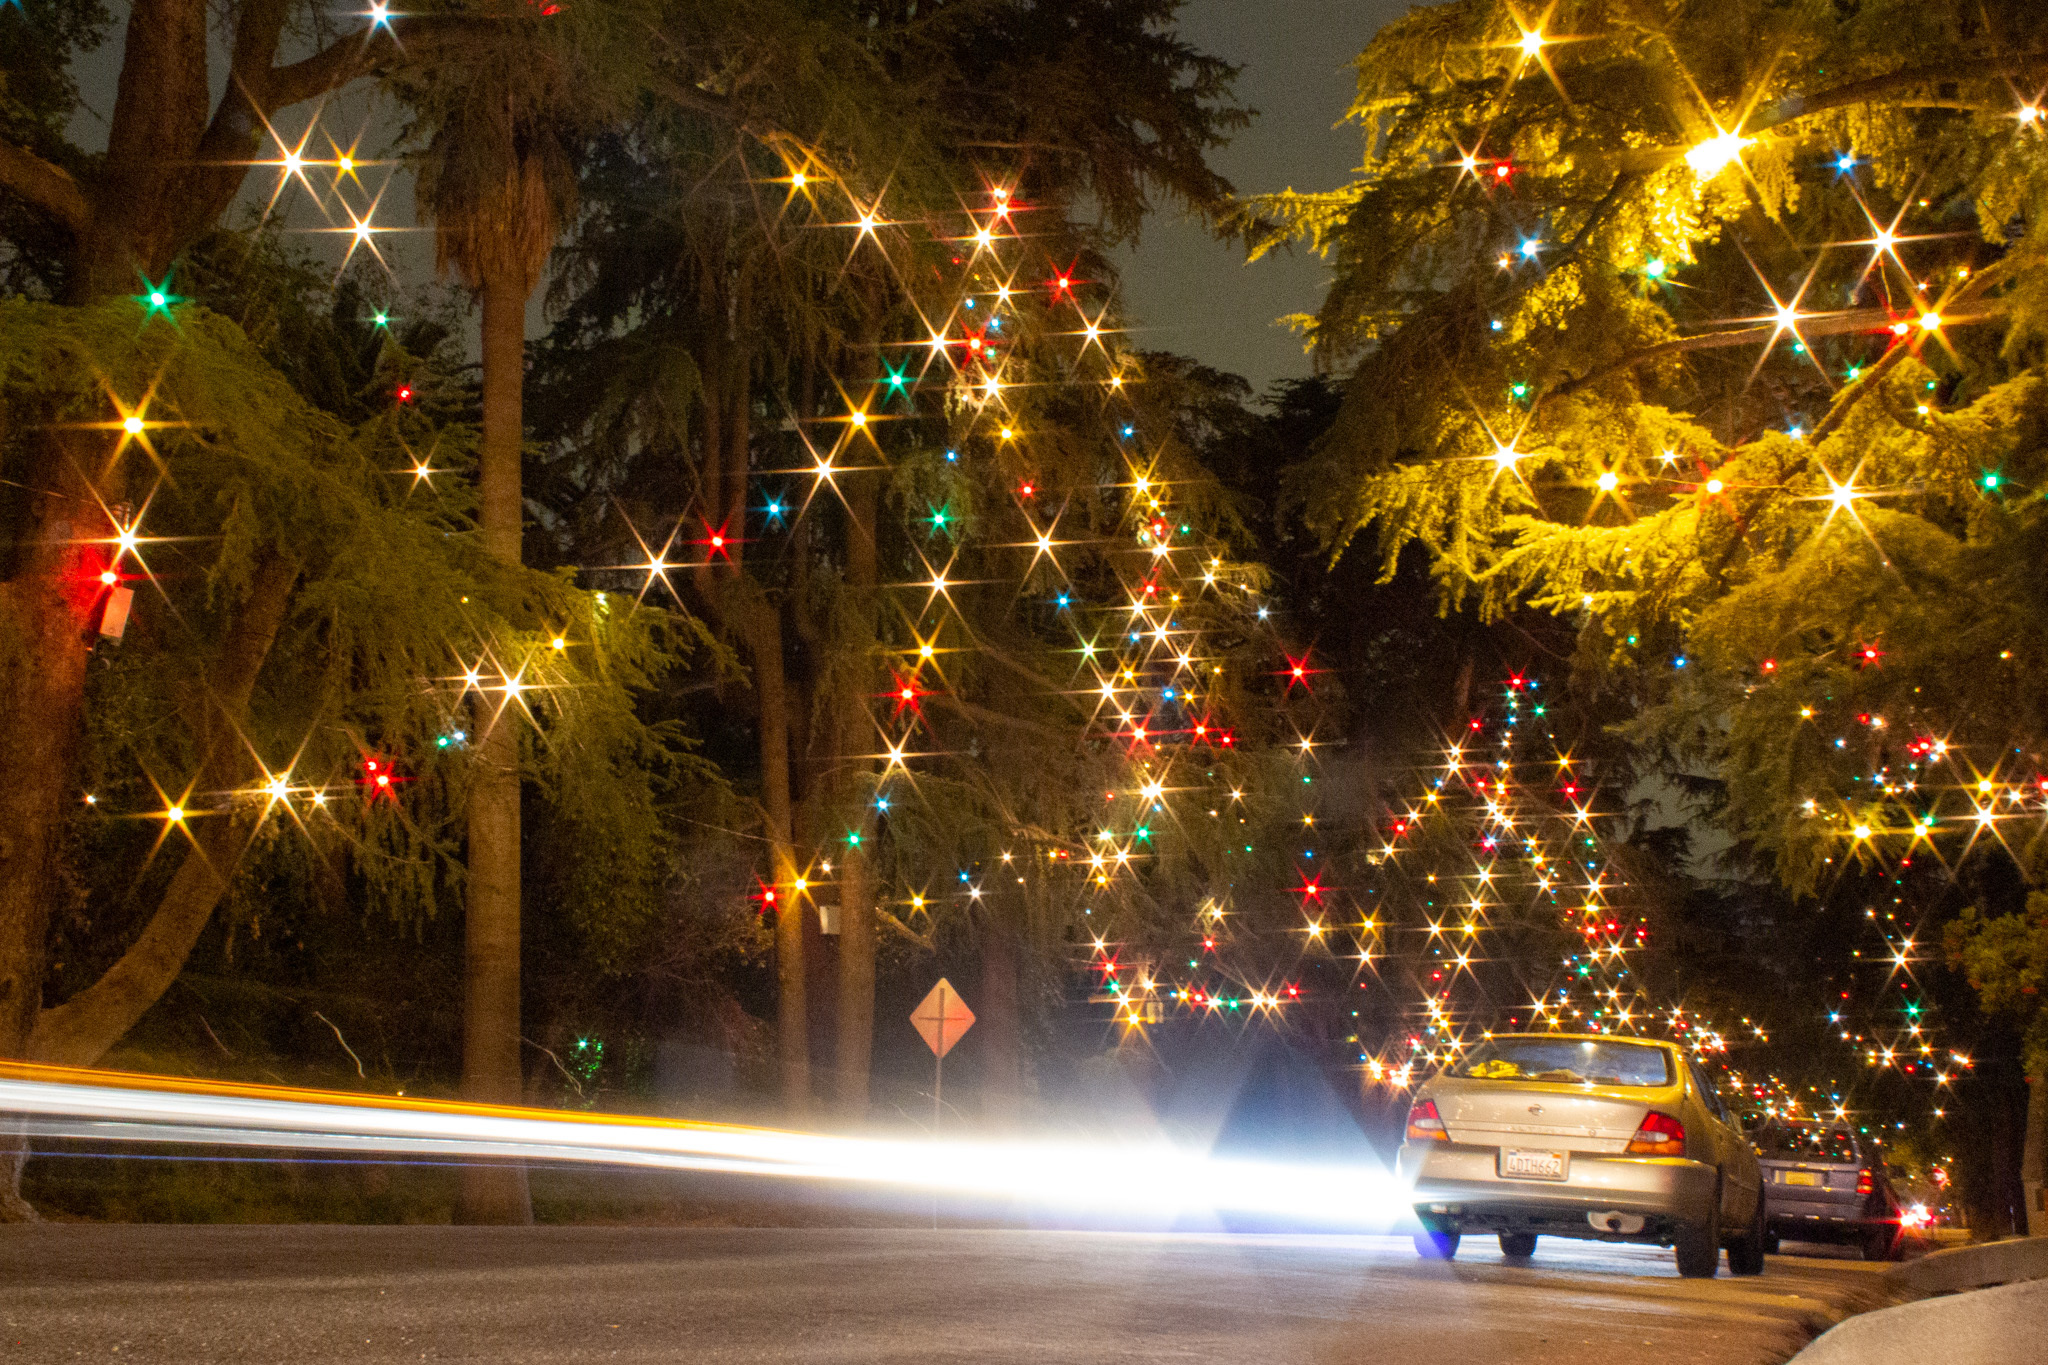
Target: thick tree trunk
{"x": 491, "y": 1073}
{"x": 738, "y": 442}
{"x": 856, "y": 1037}
{"x": 163, "y": 181}
{"x": 79, "y": 1031}
{"x": 45, "y": 611}
{"x": 160, "y": 113}
{"x": 792, "y": 1016}
{"x": 710, "y": 479}
{"x": 854, "y": 1053}
{"x": 1002, "y": 1068}
{"x": 13, "y": 1159}
{"x": 2034, "y": 1155}
{"x": 43, "y": 654}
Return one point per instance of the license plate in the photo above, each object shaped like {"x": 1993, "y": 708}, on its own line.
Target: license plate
{"x": 1801, "y": 1178}
{"x": 1520, "y": 1164}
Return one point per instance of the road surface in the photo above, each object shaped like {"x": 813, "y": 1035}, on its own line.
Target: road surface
{"x": 519, "y": 1296}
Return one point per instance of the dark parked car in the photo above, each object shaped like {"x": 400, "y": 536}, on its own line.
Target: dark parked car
{"x": 1824, "y": 1183}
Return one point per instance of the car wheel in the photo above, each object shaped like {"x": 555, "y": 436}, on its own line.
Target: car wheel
{"x": 1698, "y": 1251}
{"x": 1771, "y": 1244}
{"x": 1879, "y": 1244}
{"x": 1432, "y": 1245}
{"x": 1746, "y": 1253}
{"x": 1518, "y": 1246}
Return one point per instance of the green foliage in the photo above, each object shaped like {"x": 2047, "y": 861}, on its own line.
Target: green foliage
{"x": 2006, "y": 960}
{"x": 1802, "y": 541}
{"x": 38, "y": 96}
{"x": 391, "y": 606}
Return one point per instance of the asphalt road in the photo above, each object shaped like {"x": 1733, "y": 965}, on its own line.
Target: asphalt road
{"x": 368, "y": 1295}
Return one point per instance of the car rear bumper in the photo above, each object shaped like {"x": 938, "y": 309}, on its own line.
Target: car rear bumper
{"x": 1456, "y": 1186}
{"x": 1818, "y": 1222}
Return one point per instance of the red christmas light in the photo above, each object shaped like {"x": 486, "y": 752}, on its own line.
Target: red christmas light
{"x": 718, "y": 541}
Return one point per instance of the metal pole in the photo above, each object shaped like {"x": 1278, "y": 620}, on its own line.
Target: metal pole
{"x": 938, "y": 1090}
{"x": 939, "y": 1074}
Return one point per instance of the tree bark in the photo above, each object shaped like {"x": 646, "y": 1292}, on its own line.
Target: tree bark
{"x": 738, "y": 440}
{"x": 491, "y": 1073}
{"x": 856, "y": 996}
{"x": 164, "y": 180}
{"x": 792, "y": 1017}
{"x": 79, "y": 1031}
{"x": 45, "y": 614}
{"x": 2034, "y": 1155}
{"x": 160, "y": 113}
{"x": 856, "y": 1020}
{"x": 1002, "y": 1034}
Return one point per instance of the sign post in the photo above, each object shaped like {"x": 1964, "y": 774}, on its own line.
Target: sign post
{"x": 941, "y": 1019}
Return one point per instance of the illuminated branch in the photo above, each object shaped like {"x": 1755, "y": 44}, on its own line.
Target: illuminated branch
{"x": 1871, "y": 320}
{"x": 49, "y": 187}
{"x": 80, "y": 1030}
{"x": 1974, "y": 68}
{"x": 923, "y": 941}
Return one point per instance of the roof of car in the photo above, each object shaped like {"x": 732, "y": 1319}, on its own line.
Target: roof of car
{"x": 1582, "y": 1038}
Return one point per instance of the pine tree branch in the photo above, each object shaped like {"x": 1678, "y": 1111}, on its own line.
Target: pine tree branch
{"x": 1838, "y": 324}
{"x": 923, "y": 941}
{"x": 345, "y": 59}
{"x": 1975, "y": 67}
{"x": 47, "y": 186}
{"x": 79, "y": 1031}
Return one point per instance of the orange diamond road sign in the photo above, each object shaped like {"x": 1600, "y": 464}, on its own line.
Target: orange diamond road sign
{"x": 942, "y": 1017}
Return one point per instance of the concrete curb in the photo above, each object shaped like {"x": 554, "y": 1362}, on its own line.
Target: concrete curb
{"x": 2001, "y": 1326}
{"x": 1960, "y": 1268}
{"x": 1979, "y": 1305}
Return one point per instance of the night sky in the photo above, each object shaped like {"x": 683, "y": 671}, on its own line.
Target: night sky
{"x": 1186, "y": 292}
{"x": 1183, "y": 290}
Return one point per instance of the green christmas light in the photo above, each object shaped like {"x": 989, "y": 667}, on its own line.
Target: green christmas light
{"x": 156, "y": 299}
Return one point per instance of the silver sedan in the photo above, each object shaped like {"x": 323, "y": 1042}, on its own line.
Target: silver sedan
{"x": 1563, "y": 1135}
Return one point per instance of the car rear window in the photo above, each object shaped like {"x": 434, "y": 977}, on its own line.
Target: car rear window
{"x": 1594, "y": 1062}
{"x": 1800, "y": 1143}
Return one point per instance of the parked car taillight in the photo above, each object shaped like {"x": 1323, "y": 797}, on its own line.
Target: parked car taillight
{"x": 1864, "y": 1181}
{"x": 1425, "y": 1124}
{"x": 1658, "y": 1135}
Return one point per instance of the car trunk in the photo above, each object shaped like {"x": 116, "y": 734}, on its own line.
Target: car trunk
{"x": 1564, "y": 1117}
{"x": 1812, "y": 1180}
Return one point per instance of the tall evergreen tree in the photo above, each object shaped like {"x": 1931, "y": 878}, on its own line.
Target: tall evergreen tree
{"x": 734, "y": 336}
{"x": 1713, "y": 329}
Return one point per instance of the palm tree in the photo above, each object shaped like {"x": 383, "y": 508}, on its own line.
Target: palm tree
{"x": 497, "y": 183}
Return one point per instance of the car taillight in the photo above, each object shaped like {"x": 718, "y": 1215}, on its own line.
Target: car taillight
{"x": 1863, "y": 1181}
{"x": 1658, "y": 1135}
{"x": 1425, "y": 1124}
